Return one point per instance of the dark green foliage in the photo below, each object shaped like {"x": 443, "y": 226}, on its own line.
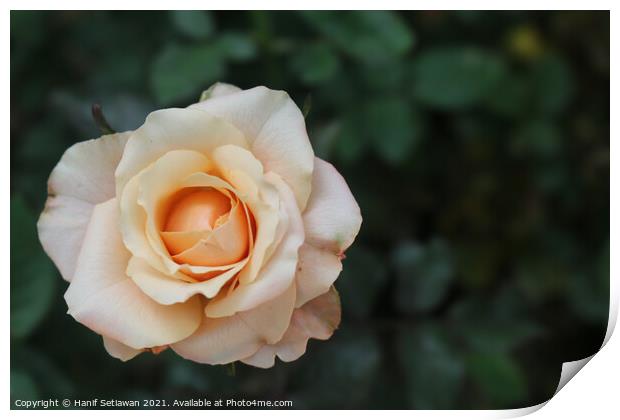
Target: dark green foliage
{"x": 476, "y": 143}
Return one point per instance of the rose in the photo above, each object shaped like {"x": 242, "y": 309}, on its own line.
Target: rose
{"x": 211, "y": 230}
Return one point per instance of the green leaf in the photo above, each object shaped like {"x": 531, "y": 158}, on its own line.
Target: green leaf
{"x": 349, "y": 144}
{"x": 542, "y": 277}
{"x": 32, "y": 274}
{"x": 453, "y": 78}
{"x": 361, "y": 281}
{"x": 236, "y": 46}
{"x": 478, "y": 263}
{"x": 180, "y": 71}
{"x": 41, "y": 145}
{"x": 553, "y": 85}
{"x": 365, "y": 35}
{"x": 391, "y": 76}
{"x": 183, "y": 375}
{"x": 499, "y": 322}
{"x": 50, "y": 381}
{"x": 394, "y": 128}
{"x": 588, "y": 291}
{"x": 315, "y": 63}
{"x": 324, "y": 137}
{"x": 499, "y": 378}
{"x": 433, "y": 369}
{"x": 27, "y": 28}
{"x": 197, "y": 24}
{"x": 538, "y": 138}
{"x": 23, "y": 386}
{"x": 512, "y": 98}
{"x": 423, "y": 275}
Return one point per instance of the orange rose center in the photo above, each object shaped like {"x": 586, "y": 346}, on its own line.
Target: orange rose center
{"x": 206, "y": 227}
{"x": 197, "y": 211}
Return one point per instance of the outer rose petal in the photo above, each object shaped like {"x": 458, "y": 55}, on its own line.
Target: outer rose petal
{"x": 218, "y": 89}
{"x": 173, "y": 129}
{"x": 83, "y": 177}
{"x": 103, "y": 298}
{"x": 276, "y": 275}
{"x": 316, "y": 271}
{"x": 119, "y": 350}
{"x": 225, "y": 340}
{"x": 316, "y": 319}
{"x": 332, "y": 217}
{"x": 276, "y": 130}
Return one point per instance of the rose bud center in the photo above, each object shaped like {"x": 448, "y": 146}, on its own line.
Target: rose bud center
{"x": 206, "y": 227}
{"x": 197, "y": 211}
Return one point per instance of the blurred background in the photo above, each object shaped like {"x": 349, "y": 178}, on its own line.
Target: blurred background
{"x": 477, "y": 145}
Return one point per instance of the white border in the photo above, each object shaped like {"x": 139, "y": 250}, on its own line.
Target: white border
{"x": 593, "y": 393}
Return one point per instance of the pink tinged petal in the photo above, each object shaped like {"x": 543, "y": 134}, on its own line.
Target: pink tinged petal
{"x": 83, "y": 177}
{"x": 225, "y": 340}
{"x": 173, "y": 129}
{"x": 276, "y": 131}
{"x": 318, "y": 319}
{"x": 119, "y": 350}
{"x": 61, "y": 229}
{"x": 103, "y": 298}
{"x": 332, "y": 217}
{"x": 317, "y": 270}
{"x": 86, "y": 169}
{"x": 276, "y": 275}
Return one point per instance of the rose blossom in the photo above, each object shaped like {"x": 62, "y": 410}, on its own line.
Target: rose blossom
{"x": 212, "y": 230}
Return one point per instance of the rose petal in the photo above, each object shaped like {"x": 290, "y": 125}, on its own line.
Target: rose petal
{"x": 225, "y": 340}
{"x": 226, "y": 244}
{"x": 140, "y": 197}
{"x": 173, "y": 129}
{"x": 276, "y": 130}
{"x": 218, "y": 89}
{"x": 276, "y": 275}
{"x": 168, "y": 290}
{"x": 177, "y": 242}
{"x": 318, "y": 319}
{"x": 156, "y": 183}
{"x": 233, "y": 162}
{"x": 119, "y": 350}
{"x": 103, "y": 298}
{"x": 332, "y": 217}
{"x": 317, "y": 270}
{"x": 263, "y": 207}
{"x": 83, "y": 177}
{"x": 196, "y": 209}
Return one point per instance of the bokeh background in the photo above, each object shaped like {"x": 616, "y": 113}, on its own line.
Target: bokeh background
{"x": 477, "y": 145}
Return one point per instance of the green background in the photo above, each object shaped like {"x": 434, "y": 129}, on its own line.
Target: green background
{"x": 476, "y": 143}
